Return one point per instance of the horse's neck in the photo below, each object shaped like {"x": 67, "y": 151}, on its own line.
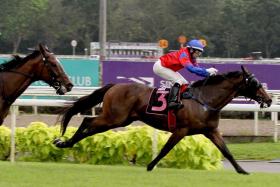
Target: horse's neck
{"x": 17, "y": 81}
{"x": 216, "y": 96}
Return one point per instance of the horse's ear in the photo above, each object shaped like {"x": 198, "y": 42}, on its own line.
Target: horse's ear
{"x": 244, "y": 70}
{"x": 42, "y": 49}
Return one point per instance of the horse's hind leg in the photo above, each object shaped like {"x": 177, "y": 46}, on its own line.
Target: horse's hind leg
{"x": 89, "y": 126}
{"x": 81, "y": 133}
{"x": 217, "y": 139}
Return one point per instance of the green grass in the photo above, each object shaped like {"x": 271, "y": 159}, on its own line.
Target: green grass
{"x": 255, "y": 151}
{"x": 29, "y": 174}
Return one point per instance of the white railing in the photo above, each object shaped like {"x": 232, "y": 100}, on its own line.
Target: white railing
{"x": 81, "y": 91}
{"x": 49, "y": 91}
{"x": 274, "y": 109}
{"x": 47, "y": 102}
{"x": 37, "y": 91}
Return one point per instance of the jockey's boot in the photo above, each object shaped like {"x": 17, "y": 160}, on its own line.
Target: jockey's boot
{"x": 174, "y": 98}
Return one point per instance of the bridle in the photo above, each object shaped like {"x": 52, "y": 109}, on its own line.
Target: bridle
{"x": 253, "y": 85}
{"x": 249, "y": 81}
{"x": 46, "y": 64}
{"x": 56, "y": 84}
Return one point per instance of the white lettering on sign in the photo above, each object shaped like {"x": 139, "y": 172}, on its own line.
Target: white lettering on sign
{"x": 81, "y": 80}
{"x": 165, "y": 84}
{"x": 76, "y": 80}
{"x": 142, "y": 80}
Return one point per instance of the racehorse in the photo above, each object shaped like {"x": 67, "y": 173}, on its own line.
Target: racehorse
{"x": 17, "y": 74}
{"x": 125, "y": 103}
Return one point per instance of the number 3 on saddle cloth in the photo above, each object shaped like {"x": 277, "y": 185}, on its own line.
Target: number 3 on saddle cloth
{"x": 158, "y": 105}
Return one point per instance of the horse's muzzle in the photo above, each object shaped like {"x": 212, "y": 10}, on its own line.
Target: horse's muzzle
{"x": 69, "y": 87}
{"x": 266, "y": 104}
{"x": 61, "y": 90}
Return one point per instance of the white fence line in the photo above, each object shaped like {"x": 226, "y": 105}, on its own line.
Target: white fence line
{"x": 47, "y": 102}
{"x": 49, "y": 91}
{"x": 256, "y": 108}
{"x": 81, "y": 91}
{"x": 29, "y": 102}
{"x": 38, "y": 91}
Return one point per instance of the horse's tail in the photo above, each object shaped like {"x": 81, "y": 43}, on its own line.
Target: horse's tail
{"x": 82, "y": 104}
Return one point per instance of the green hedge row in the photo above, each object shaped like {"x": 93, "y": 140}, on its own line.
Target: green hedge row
{"x": 134, "y": 144}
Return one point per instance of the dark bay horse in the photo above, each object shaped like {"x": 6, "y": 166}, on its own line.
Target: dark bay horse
{"x": 125, "y": 103}
{"x": 16, "y": 75}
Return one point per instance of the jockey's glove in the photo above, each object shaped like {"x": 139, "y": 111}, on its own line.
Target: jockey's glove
{"x": 212, "y": 71}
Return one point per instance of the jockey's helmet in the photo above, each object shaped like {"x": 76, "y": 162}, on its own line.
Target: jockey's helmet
{"x": 195, "y": 44}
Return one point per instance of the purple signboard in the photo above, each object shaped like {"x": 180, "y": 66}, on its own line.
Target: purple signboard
{"x": 142, "y": 72}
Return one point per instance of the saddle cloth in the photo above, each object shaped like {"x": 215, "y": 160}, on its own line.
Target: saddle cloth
{"x": 158, "y": 101}
{"x": 158, "y": 105}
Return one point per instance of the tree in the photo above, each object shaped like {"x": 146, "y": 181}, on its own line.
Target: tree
{"x": 85, "y": 20}
{"x": 19, "y": 17}
{"x": 231, "y": 29}
{"x": 263, "y": 24}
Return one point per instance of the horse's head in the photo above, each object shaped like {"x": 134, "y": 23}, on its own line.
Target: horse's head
{"x": 52, "y": 72}
{"x": 253, "y": 89}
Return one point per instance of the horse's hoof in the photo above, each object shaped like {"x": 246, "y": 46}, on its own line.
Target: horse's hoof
{"x": 62, "y": 144}
{"x": 243, "y": 172}
{"x": 56, "y": 141}
{"x": 59, "y": 143}
{"x": 150, "y": 167}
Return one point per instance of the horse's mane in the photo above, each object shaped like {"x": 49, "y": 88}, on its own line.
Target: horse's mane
{"x": 17, "y": 61}
{"x": 216, "y": 79}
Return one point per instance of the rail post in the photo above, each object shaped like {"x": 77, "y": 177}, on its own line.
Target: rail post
{"x": 13, "y": 111}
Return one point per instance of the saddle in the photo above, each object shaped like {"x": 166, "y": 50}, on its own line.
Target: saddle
{"x": 158, "y": 103}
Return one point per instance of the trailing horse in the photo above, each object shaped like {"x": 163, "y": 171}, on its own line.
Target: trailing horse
{"x": 125, "y": 103}
{"x": 17, "y": 74}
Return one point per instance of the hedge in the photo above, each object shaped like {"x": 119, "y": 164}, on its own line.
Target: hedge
{"x": 132, "y": 145}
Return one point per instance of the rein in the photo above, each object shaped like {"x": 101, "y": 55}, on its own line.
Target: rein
{"x": 203, "y": 103}
{"x": 17, "y": 72}
{"x": 9, "y": 99}
{"x": 207, "y": 106}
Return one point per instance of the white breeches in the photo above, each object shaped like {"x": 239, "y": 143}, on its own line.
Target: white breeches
{"x": 168, "y": 74}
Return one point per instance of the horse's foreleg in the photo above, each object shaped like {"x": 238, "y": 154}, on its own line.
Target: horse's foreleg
{"x": 172, "y": 141}
{"x": 217, "y": 139}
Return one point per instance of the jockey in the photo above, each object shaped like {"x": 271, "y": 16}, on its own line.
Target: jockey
{"x": 168, "y": 65}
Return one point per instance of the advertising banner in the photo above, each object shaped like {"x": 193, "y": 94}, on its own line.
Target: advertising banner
{"x": 82, "y": 72}
{"x": 142, "y": 72}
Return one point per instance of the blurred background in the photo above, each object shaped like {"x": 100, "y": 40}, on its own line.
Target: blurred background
{"x": 232, "y": 28}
